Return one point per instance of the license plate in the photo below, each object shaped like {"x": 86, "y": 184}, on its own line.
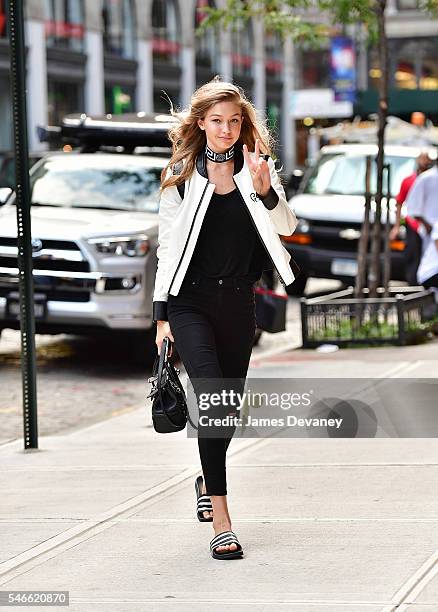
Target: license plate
{"x": 13, "y": 307}
{"x": 344, "y": 267}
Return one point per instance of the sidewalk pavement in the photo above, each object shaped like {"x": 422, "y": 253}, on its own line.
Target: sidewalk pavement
{"x": 338, "y": 525}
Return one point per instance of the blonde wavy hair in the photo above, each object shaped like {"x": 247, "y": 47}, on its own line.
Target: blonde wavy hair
{"x": 188, "y": 139}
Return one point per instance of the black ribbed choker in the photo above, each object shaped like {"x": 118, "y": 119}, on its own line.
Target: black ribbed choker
{"x": 219, "y": 157}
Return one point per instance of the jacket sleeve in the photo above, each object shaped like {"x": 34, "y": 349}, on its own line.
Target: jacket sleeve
{"x": 280, "y": 211}
{"x": 169, "y": 204}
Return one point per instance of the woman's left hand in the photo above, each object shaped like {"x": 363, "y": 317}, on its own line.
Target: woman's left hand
{"x": 261, "y": 177}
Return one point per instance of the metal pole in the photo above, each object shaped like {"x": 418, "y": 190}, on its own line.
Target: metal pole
{"x": 27, "y": 321}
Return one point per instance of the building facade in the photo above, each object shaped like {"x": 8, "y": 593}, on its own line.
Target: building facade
{"x": 112, "y": 56}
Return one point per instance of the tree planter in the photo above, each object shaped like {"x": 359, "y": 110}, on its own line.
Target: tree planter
{"x": 399, "y": 319}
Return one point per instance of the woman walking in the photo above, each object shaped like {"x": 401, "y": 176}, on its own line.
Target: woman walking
{"x": 222, "y": 209}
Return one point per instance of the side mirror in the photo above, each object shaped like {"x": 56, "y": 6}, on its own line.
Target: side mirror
{"x": 294, "y": 181}
{"x": 5, "y": 192}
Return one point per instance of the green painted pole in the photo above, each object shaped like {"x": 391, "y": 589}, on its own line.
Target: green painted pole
{"x": 27, "y": 320}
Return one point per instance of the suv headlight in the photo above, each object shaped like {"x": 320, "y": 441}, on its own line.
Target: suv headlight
{"x": 129, "y": 246}
{"x": 303, "y": 227}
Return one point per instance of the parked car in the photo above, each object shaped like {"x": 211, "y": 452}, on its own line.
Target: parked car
{"x": 329, "y": 206}
{"x": 94, "y": 240}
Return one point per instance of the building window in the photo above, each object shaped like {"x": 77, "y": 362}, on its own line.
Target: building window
{"x": 242, "y": 45}
{"x": 428, "y": 77}
{"x": 118, "y": 18}
{"x": 165, "y": 31}
{"x": 273, "y": 55}
{"x": 420, "y": 55}
{"x": 64, "y": 24}
{"x": 63, "y": 99}
{"x": 315, "y": 72}
{"x": 404, "y": 76}
{"x": 207, "y": 44}
{"x": 414, "y": 64}
{"x": 408, "y": 5}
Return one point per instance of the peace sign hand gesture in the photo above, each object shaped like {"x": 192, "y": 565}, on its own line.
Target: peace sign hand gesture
{"x": 261, "y": 176}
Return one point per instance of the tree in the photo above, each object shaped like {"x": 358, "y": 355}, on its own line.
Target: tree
{"x": 287, "y": 17}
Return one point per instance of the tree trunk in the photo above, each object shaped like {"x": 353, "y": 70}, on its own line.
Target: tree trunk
{"x": 376, "y": 243}
{"x": 387, "y": 252}
{"x": 362, "y": 250}
{"x": 362, "y": 247}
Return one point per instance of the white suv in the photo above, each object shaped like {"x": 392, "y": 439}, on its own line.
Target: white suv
{"x": 329, "y": 206}
{"x": 94, "y": 240}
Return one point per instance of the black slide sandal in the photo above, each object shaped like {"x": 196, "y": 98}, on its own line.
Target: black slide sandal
{"x": 226, "y": 537}
{"x": 203, "y": 502}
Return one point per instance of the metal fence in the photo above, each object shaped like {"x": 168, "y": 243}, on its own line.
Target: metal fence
{"x": 341, "y": 319}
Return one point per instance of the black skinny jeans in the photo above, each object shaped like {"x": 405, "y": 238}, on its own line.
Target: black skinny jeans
{"x": 213, "y": 325}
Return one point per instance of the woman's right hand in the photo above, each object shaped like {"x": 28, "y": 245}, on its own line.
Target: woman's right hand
{"x": 163, "y": 330}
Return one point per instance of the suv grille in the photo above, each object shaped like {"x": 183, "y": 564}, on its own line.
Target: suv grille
{"x": 54, "y": 255}
{"x": 336, "y": 236}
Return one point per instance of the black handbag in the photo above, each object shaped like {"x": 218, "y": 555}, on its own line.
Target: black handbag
{"x": 270, "y": 310}
{"x": 169, "y": 405}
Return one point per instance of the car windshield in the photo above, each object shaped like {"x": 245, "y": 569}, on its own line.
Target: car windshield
{"x": 342, "y": 174}
{"x": 94, "y": 181}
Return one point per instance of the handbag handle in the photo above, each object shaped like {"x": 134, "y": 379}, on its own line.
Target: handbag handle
{"x": 177, "y": 381}
{"x": 161, "y": 365}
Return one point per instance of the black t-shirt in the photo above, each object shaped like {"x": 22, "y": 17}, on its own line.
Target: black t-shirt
{"x": 228, "y": 243}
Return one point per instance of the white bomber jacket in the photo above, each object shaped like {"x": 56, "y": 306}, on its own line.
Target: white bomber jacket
{"x": 180, "y": 221}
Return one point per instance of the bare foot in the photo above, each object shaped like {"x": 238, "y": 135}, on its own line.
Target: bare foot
{"x": 220, "y": 525}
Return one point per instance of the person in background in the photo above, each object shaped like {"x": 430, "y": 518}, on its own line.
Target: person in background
{"x": 427, "y": 274}
{"x": 422, "y": 204}
{"x": 413, "y": 239}
{"x": 422, "y": 201}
